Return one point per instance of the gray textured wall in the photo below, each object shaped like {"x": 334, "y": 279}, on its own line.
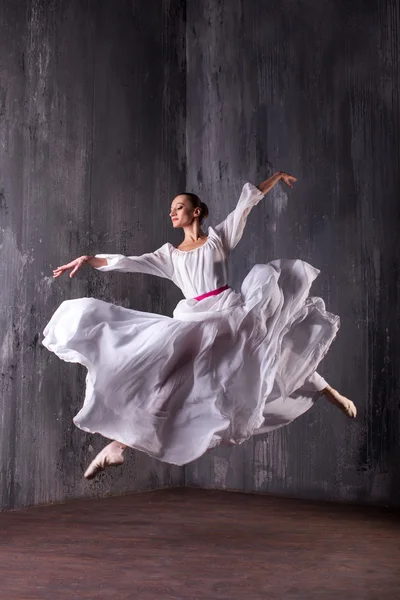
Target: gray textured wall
{"x": 92, "y": 109}
{"x": 92, "y": 134}
{"x": 311, "y": 88}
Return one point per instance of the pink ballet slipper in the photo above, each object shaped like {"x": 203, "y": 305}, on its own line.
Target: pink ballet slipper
{"x": 110, "y": 456}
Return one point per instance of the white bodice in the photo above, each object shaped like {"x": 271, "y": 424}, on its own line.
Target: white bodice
{"x": 196, "y": 271}
{"x": 200, "y": 270}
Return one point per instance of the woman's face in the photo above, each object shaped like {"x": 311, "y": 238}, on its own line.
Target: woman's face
{"x": 182, "y": 212}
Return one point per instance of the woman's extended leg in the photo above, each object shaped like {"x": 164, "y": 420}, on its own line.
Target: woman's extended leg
{"x": 111, "y": 456}
{"x": 346, "y": 405}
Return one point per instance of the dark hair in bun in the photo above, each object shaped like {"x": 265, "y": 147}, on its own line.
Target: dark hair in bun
{"x": 197, "y": 203}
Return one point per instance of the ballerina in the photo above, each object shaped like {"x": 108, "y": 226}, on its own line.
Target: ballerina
{"x": 225, "y": 367}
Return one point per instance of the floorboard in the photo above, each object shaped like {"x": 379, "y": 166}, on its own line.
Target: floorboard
{"x": 197, "y": 544}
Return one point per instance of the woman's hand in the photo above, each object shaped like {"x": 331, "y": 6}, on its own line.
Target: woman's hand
{"x": 75, "y": 265}
{"x": 269, "y": 183}
{"x": 288, "y": 179}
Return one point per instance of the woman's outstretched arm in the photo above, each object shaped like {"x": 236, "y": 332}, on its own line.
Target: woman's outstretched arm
{"x": 94, "y": 261}
{"x": 77, "y": 263}
{"x": 157, "y": 263}
{"x": 231, "y": 229}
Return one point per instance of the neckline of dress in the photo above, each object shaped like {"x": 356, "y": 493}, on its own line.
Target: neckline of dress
{"x": 194, "y": 249}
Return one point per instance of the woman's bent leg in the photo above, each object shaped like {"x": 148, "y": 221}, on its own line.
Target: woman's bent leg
{"x": 318, "y": 382}
{"x": 320, "y": 385}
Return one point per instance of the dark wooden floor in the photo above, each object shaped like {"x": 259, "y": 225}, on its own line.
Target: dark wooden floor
{"x": 196, "y": 544}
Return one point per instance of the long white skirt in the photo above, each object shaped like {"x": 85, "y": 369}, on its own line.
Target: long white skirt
{"x": 219, "y": 371}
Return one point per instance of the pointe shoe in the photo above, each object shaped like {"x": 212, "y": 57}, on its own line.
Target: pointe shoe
{"x": 110, "y": 456}
{"x": 345, "y": 405}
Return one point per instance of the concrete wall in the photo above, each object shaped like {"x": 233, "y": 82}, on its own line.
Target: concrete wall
{"x": 92, "y": 147}
{"x": 92, "y": 108}
{"x": 310, "y": 88}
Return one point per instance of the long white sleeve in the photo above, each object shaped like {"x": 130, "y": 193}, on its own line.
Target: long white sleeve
{"x": 231, "y": 229}
{"x": 153, "y": 263}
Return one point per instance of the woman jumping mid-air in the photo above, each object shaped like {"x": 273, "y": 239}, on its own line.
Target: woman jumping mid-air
{"x": 228, "y": 365}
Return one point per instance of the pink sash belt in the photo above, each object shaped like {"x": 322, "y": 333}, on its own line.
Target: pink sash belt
{"x": 213, "y": 293}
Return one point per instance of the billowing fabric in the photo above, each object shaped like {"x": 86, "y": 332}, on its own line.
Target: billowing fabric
{"x": 221, "y": 370}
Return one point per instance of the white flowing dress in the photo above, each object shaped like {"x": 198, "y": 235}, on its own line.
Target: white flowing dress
{"x": 221, "y": 370}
